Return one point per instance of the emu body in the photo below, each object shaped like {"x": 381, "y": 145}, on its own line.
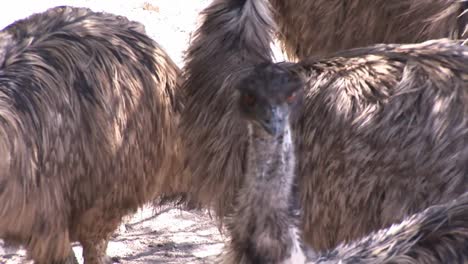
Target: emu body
{"x": 231, "y": 38}
{"x": 262, "y": 229}
{"x": 438, "y": 234}
{"x": 322, "y": 27}
{"x": 382, "y": 134}
{"x": 87, "y": 129}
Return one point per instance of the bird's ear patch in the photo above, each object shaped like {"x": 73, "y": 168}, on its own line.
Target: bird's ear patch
{"x": 248, "y": 99}
{"x": 291, "y": 97}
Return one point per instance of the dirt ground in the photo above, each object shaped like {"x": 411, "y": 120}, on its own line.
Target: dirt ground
{"x": 172, "y": 235}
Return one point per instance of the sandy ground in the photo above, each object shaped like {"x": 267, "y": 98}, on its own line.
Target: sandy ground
{"x": 172, "y": 235}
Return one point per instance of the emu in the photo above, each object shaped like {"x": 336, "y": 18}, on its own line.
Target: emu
{"x": 87, "y": 129}
{"x": 232, "y": 35}
{"x": 438, "y": 234}
{"x": 321, "y": 27}
{"x": 373, "y": 119}
{"x": 261, "y": 229}
{"x": 382, "y": 133}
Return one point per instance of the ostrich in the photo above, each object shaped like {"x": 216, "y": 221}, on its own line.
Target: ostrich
{"x": 87, "y": 130}
{"x": 261, "y": 228}
{"x": 322, "y": 27}
{"x": 382, "y": 134}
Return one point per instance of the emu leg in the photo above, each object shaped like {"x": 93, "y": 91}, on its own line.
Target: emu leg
{"x": 95, "y": 253}
{"x": 71, "y": 259}
{"x": 55, "y": 249}
{"x": 94, "y": 229}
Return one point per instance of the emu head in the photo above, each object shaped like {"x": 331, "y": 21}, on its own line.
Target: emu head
{"x": 268, "y": 96}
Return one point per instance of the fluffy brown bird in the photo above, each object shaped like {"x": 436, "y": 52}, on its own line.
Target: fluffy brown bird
{"x": 438, "y": 234}
{"x": 231, "y": 38}
{"x": 321, "y": 27}
{"x": 263, "y": 231}
{"x": 261, "y": 228}
{"x": 87, "y": 129}
{"x": 373, "y": 119}
{"x": 382, "y": 135}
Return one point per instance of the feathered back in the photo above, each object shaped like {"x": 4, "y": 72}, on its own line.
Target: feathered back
{"x": 88, "y": 118}
{"x": 438, "y": 234}
{"x": 383, "y": 135}
{"x": 321, "y": 27}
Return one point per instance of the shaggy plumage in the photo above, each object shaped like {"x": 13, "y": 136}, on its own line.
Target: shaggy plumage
{"x": 87, "y": 129}
{"x": 262, "y": 229}
{"x": 438, "y": 234}
{"x": 322, "y": 27}
{"x": 234, "y": 35}
{"x": 373, "y": 119}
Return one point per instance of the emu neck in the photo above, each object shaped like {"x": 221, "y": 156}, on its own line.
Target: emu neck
{"x": 270, "y": 167}
{"x": 261, "y": 226}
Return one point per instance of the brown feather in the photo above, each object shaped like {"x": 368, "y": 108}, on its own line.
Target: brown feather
{"x": 321, "y": 27}
{"x": 234, "y": 36}
{"x": 438, "y": 234}
{"x": 373, "y": 118}
{"x": 87, "y": 129}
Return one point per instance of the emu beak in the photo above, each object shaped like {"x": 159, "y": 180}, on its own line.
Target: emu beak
{"x": 276, "y": 124}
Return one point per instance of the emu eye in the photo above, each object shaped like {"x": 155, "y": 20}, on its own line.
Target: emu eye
{"x": 291, "y": 98}
{"x": 248, "y": 99}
